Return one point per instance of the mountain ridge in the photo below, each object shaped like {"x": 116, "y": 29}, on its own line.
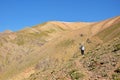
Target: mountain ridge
{"x": 49, "y": 47}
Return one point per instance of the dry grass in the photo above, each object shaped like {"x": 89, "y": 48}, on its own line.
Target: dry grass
{"x": 52, "y": 46}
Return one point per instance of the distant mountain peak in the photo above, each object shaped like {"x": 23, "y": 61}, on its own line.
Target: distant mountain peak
{"x": 7, "y": 31}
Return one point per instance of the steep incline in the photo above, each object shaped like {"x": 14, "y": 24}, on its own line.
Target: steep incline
{"x": 104, "y": 24}
{"x": 48, "y": 47}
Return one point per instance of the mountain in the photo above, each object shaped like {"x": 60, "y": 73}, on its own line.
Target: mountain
{"x": 50, "y": 51}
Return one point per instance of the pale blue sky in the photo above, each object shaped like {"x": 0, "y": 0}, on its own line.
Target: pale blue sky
{"x": 18, "y": 14}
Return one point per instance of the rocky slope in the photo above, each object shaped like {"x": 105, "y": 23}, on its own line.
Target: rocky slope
{"x": 50, "y": 51}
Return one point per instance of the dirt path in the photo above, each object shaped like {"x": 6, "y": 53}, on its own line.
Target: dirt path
{"x": 23, "y": 75}
{"x": 87, "y": 73}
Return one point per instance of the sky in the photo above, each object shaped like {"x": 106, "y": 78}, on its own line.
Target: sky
{"x": 18, "y": 14}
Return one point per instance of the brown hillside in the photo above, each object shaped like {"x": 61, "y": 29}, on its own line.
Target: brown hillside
{"x": 45, "y": 51}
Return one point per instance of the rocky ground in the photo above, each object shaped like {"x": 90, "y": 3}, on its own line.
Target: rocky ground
{"x": 50, "y": 51}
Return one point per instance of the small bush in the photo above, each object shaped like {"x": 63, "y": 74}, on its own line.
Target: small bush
{"x": 72, "y": 71}
{"x": 115, "y": 77}
{"x": 118, "y": 47}
{"x": 75, "y": 75}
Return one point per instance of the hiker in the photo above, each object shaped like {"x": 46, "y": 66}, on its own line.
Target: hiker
{"x": 82, "y": 48}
